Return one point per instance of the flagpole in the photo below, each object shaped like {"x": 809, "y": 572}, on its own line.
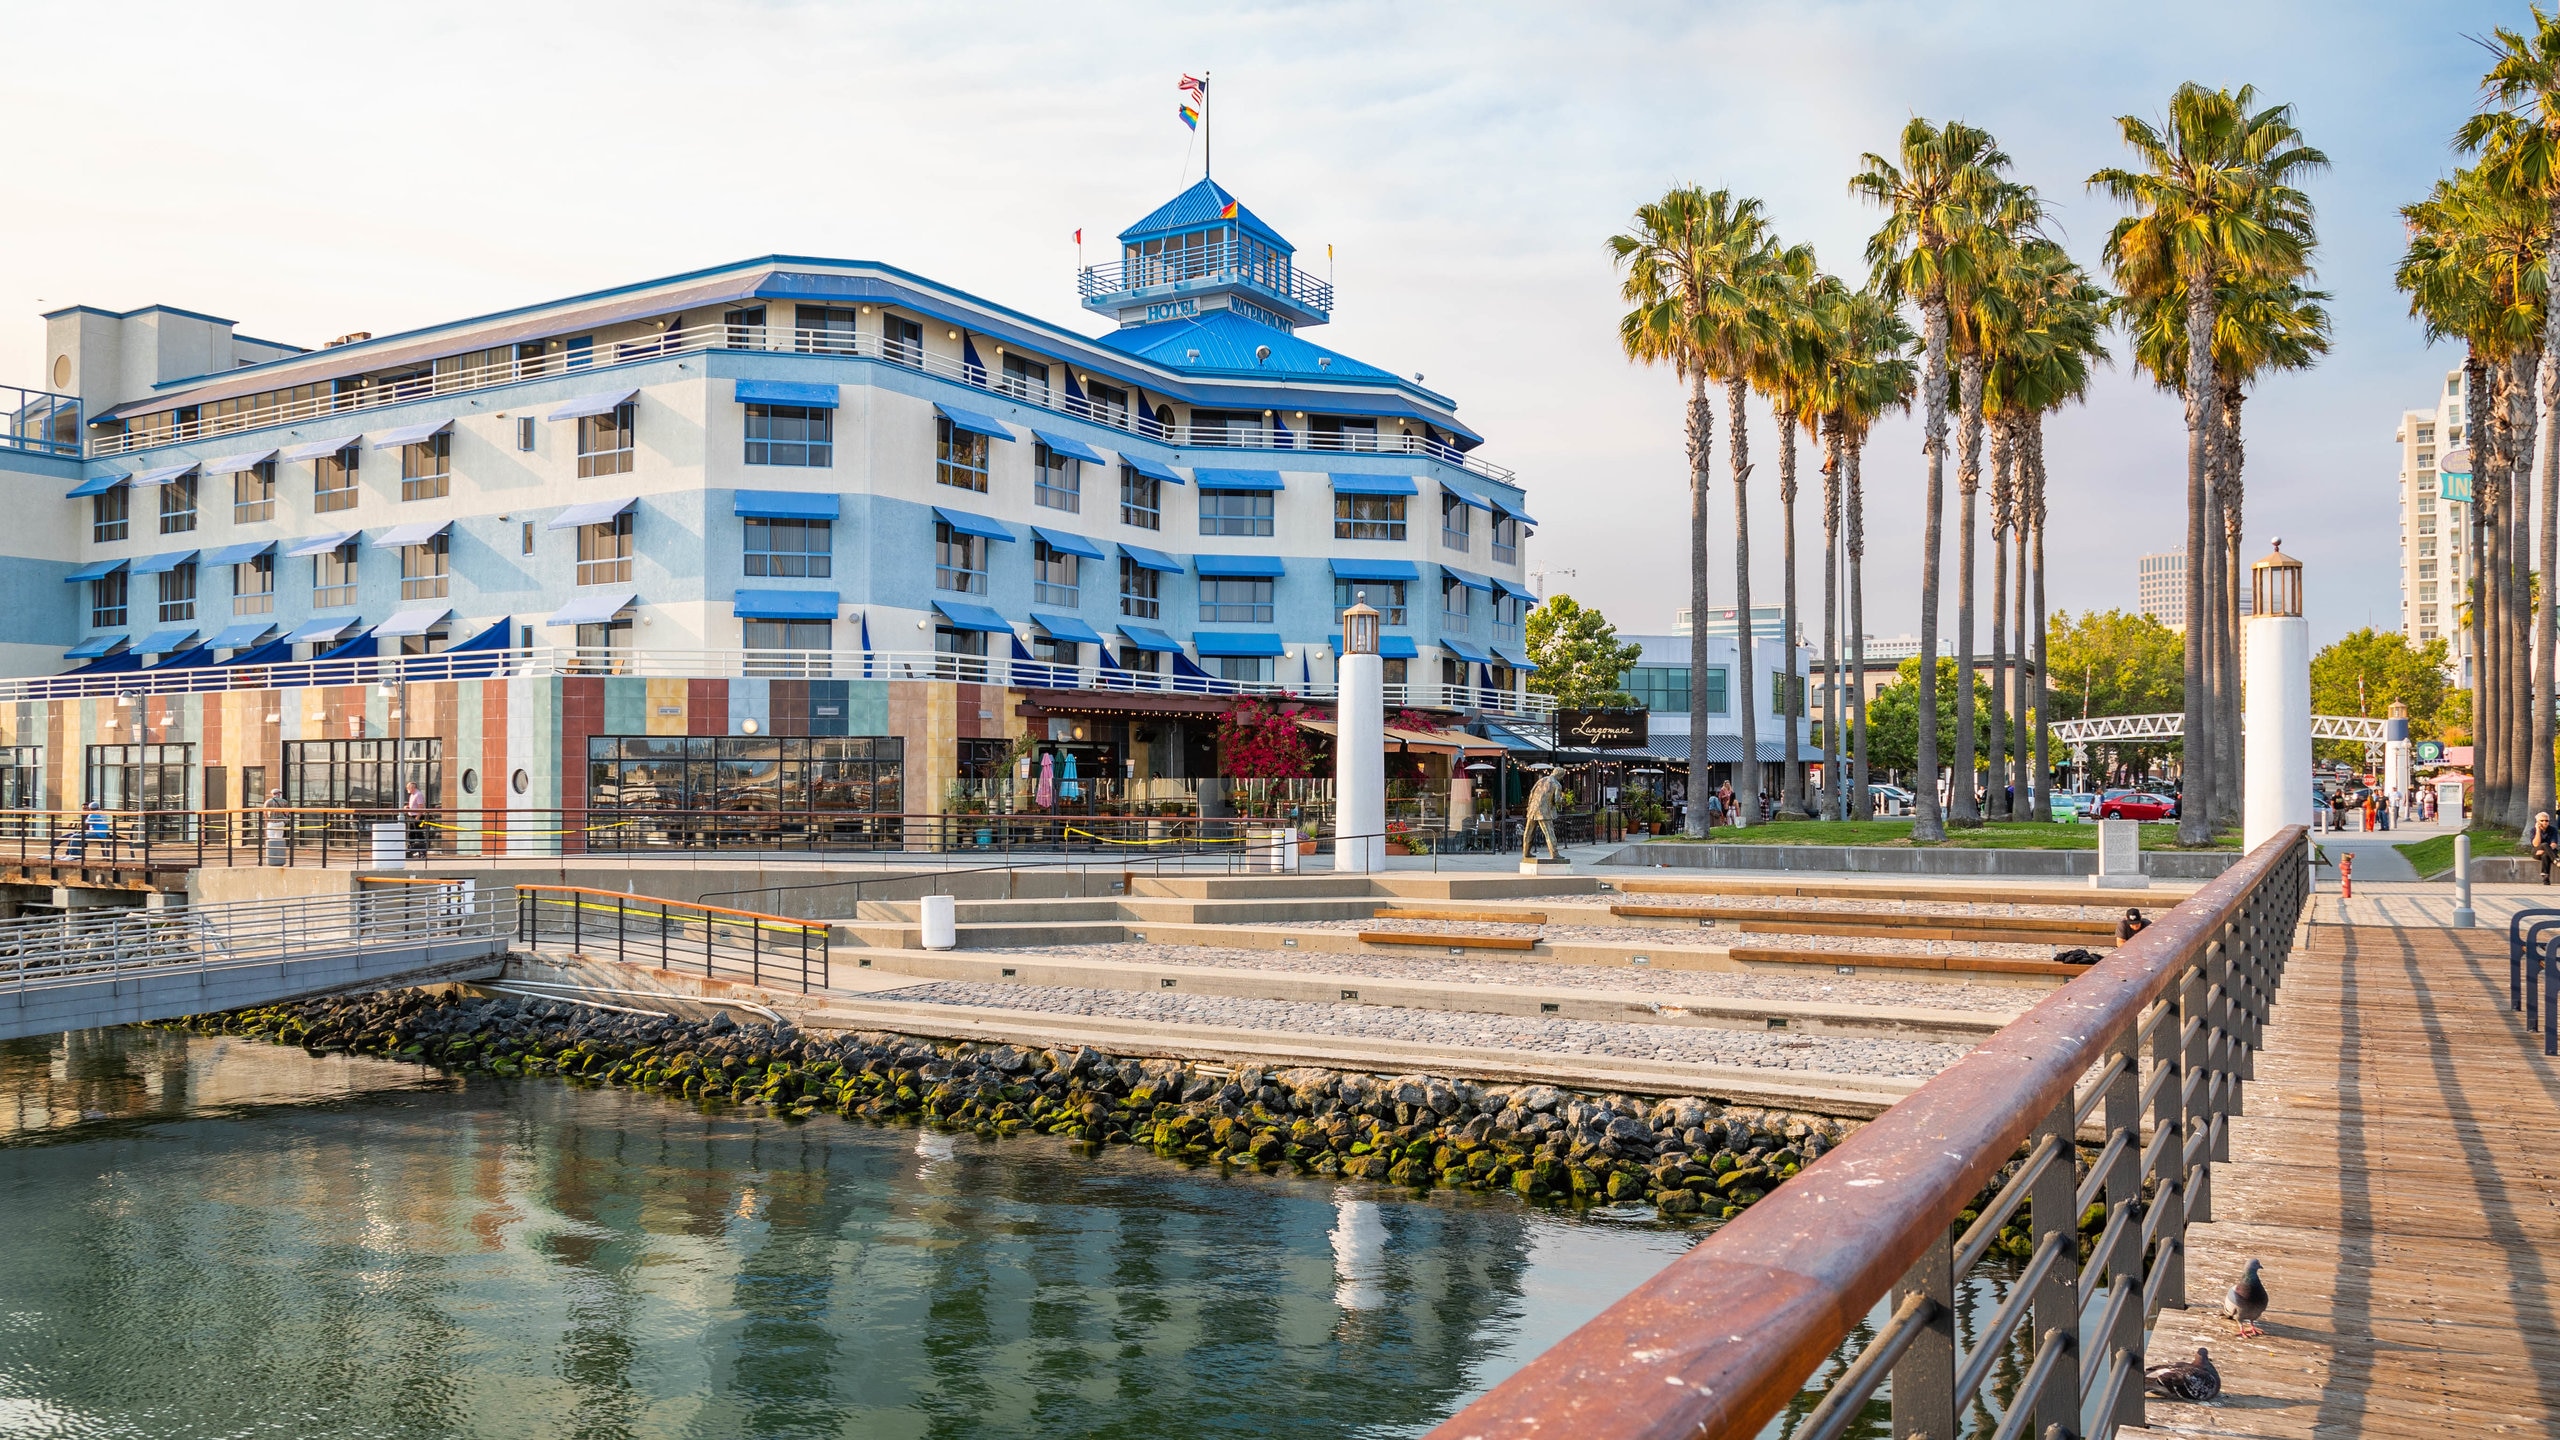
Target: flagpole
{"x": 1207, "y": 132}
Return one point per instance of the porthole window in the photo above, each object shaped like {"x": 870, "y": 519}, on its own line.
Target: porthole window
{"x": 61, "y": 372}
{"x": 520, "y": 782}
{"x": 470, "y": 782}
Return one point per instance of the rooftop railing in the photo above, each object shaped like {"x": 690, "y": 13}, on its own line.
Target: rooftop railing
{"x": 1255, "y": 265}
{"x": 2153, "y": 1045}
{"x": 41, "y": 421}
{"x": 858, "y": 345}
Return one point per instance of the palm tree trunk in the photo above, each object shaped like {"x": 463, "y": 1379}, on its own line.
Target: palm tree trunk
{"x": 2195, "y": 824}
{"x": 1746, "y": 785}
{"x": 1791, "y": 706}
{"x": 1962, "y": 810}
{"x": 2022, "y": 781}
{"x": 1928, "y": 824}
{"x": 2475, "y": 379}
{"x": 2043, "y": 686}
{"x": 1861, "y": 801}
{"x": 1996, "y": 747}
{"x": 2228, "y": 759}
{"x": 2546, "y": 472}
{"x": 1830, "y": 808}
{"x": 2520, "y": 610}
{"x": 1702, "y": 425}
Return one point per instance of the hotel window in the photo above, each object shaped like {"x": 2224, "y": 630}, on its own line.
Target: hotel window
{"x": 1141, "y": 591}
{"x": 1107, "y": 403}
{"x": 433, "y": 641}
{"x": 253, "y": 586}
{"x": 1717, "y": 704}
{"x": 1141, "y": 500}
{"x": 1336, "y": 432}
{"x": 1663, "y": 689}
{"x": 333, "y": 481}
{"x": 178, "y": 505}
{"x": 960, "y": 457}
{"x": 1384, "y": 596}
{"x": 604, "y": 551}
{"x": 2427, "y": 458}
{"x": 1235, "y": 512}
{"x": 2426, "y": 524}
{"x": 1025, "y": 380}
{"x": 422, "y": 569}
{"x": 1049, "y": 649}
{"x": 1455, "y": 523}
{"x": 253, "y": 493}
{"x": 959, "y": 560}
{"x": 743, "y": 329}
{"x": 1392, "y": 672}
{"x": 1246, "y": 669}
{"x": 1457, "y": 605}
{"x": 2426, "y": 569}
{"x": 1144, "y": 662}
{"x": 21, "y": 777}
{"x": 826, "y": 331}
{"x": 1054, "y": 578}
{"x": 1506, "y": 539}
{"x": 1368, "y": 517}
{"x": 1232, "y": 601}
{"x": 965, "y": 653}
{"x": 333, "y": 578}
{"x": 110, "y": 514}
{"x": 605, "y": 442}
{"x": 426, "y": 468}
{"x": 2426, "y": 502}
{"x": 2426, "y": 548}
{"x": 791, "y": 435}
{"x": 790, "y": 635}
{"x": 2426, "y": 592}
{"x": 178, "y": 593}
{"x": 107, "y": 599}
{"x": 1241, "y": 428}
{"x": 790, "y": 549}
{"x": 524, "y": 432}
{"x": 1057, "y": 480}
{"x": 605, "y": 646}
{"x": 902, "y": 341}
{"x": 1455, "y": 673}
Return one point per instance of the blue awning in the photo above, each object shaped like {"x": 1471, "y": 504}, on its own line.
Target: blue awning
{"x": 416, "y": 532}
{"x": 593, "y": 609}
{"x": 407, "y": 434}
{"x": 234, "y": 464}
{"x": 1374, "y": 485}
{"x": 786, "y": 604}
{"x": 417, "y": 620}
{"x": 1471, "y": 581}
{"x": 1516, "y": 592}
{"x": 1376, "y": 570}
{"x": 1261, "y": 480}
{"x": 164, "y": 474}
{"x": 966, "y": 616}
{"x": 1065, "y": 543}
{"x": 1152, "y": 469}
{"x": 974, "y": 423}
{"x": 95, "y": 570}
{"x": 786, "y": 392}
{"x": 1259, "y": 567}
{"x": 1390, "y": 647}
{"x": 602, "y": 403}
{"x": 1066, "y": 627}
{"x": 96, "y": 485}
{"x": 318, "y": 449}
{"x": 1068, "y": 446}
{"x": 319, "y": 629}
{"x": 1148, "y": 637}
{"x": 1514, "y": 511}
{"x": 162, "y": 563}
{"x": 1469, "y": 493}
{"x": 321, "y": 544}
{"x": 593, "y": 512}
{"x": 165, "y": 642}
{"x": 1147, "y": 559}
{"x": 241, "y": 636}
{"x": 1517, "y": 660}
{"x": 968, "y": 524}
{"x": 1238, "y": 642}
{"x": 241, "y": 553}
{"x": 93, "y": 647}
{"x": 1466, "y": 649}
{"x": 785, "y": 504}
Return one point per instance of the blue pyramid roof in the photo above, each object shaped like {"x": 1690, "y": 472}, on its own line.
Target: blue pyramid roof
{"x": 1199, "y": 206}
{"x": 1226, "y": 342}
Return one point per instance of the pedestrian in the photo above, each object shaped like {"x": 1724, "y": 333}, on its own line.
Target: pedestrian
{"x": 417, "y": 816}
{"x": 2131, "y": 925}
{"x": 2545, "y": 841}
{"x": 277, "y": 819}
{"x": 102, "y": 829}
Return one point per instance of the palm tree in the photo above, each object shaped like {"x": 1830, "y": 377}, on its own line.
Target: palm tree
{"x": 2215, "y": 196}
{"x": 1877, "y": 378}
{"x": 1978, "y": 310}
{"x": 1682, "y": 257}
{"x": 1788, "y": 371}
{"x": 1943, "y": 178}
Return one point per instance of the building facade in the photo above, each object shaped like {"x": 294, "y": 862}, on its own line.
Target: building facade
{"x": 2434, "y": 516}
{"x": 2160, "y": 588}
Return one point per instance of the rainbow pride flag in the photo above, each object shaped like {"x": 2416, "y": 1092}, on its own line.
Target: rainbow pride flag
{"x": 1190, "y": 117}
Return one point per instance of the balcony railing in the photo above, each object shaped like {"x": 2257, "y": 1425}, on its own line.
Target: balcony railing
{"x": 41, "y": 421}
{"x": 863, "y": 345}
{"x": 1254, "y": 265}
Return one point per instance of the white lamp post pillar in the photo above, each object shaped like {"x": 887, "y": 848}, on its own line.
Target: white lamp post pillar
{"x": 1360, "y": 746}
{"x": 2276, "y": 733}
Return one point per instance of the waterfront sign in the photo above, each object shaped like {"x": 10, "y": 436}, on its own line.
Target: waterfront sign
{"x": 1601, "y": 729}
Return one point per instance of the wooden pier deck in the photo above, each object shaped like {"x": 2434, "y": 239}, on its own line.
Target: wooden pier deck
{"x": 2399, "y": 1176}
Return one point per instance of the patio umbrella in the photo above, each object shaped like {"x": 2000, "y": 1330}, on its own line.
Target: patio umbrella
{"x": 1047, "y": 794}
{"x": 1071, "y": 789}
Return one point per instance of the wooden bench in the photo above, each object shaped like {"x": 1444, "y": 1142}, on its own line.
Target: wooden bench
{"x": 1490, "y": 917}
{"x": 2009, "y": 929}
{"x": 1954, "y": 964}
{"x": 1453, "y": 942}
{"x": 1901, "y": 890}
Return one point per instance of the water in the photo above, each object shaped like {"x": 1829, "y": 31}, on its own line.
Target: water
{"x": 212, "y": 1237}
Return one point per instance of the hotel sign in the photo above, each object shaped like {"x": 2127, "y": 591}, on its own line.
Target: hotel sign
{"x": 1601, "y": 729}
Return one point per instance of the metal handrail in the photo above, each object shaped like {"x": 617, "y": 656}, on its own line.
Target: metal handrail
{"x": 1727, "y": 1335}
{"x": 1250, "y": 263}
{"x": 80, "y": 947}
{"x": 676, "y": 935}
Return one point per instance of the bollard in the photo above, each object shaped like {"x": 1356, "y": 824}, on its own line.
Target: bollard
{"x": 2463, "y": 919}
{"x": 2347, "y": 877}
{"x": 940, "y": 914}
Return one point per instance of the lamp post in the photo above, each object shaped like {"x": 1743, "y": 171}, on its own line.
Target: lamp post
{"x": 1360, "y": 745}
{"x": 2276, "y": 729}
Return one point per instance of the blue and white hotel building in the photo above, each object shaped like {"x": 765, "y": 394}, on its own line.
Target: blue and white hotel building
{"x": 811, "y": 469}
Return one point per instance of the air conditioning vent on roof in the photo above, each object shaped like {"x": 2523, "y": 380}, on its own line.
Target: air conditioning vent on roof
{"x": 348, "y": 339}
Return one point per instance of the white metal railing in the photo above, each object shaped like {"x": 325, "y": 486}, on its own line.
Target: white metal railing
{"x": 2102, "y": 728}
{"x": 87, "y": 945}
{"x": 549, "y": 660}
{"x": 1248, "y": 262}
{"x": 861, "y": 345}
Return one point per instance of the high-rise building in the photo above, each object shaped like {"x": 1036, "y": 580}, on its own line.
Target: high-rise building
{"x": 2433, "y": 510}
{"x": 2161, "y": 588}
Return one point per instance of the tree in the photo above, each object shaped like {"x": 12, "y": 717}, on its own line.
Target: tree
{"x": 2114, "y": 663}
{"x": 1579, "y": 656}
{"x": 1893, "y": 720}
{"x": 2365, "y": 672}
{"x": 1259, "y": 739}
{"x": 1789, "y": 372}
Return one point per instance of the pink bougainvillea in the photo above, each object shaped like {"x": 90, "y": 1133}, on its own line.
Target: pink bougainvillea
{"x": 1259, "y": 739}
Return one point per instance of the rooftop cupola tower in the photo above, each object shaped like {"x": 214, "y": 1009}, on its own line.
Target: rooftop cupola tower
{"x": 1202, "y": 251}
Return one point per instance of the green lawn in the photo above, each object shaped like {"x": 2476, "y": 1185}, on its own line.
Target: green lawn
{"x": 2022, "y": 836}
{"x": 2434, "y": 857}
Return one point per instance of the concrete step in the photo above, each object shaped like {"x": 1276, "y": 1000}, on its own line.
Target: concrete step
{"x": 1253, "y": 887}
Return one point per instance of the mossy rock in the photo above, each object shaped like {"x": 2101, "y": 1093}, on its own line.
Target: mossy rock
{"x": 1678, "y": 1202}
{"x": 1623, "y": 1186}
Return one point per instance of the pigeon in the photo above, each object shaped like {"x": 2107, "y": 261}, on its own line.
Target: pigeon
{"x": 2247, "y": 1301}
{"x": 2194, "y": 1380}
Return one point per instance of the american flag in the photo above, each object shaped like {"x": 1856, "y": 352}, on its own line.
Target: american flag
{"x": 1195, "y": 88}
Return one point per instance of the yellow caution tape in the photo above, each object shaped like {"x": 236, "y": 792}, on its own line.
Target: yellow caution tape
{"x": 1177, "y": 840}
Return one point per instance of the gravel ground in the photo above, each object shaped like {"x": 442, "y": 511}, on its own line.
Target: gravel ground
{"x": 1719, "y": 937}
{"x": 1677, "y": 1044}
{"x": 1703, "y": 984}
{"x": 1826, "y": 902}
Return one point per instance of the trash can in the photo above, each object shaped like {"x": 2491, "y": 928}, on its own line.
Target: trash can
{"x": 278, "y": 853}
{"x": 941, "y": 922}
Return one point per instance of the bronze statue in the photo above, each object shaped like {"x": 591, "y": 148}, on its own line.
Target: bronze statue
{"x": 1542, "y": 815}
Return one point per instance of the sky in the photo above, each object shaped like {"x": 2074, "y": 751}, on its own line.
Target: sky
{"x": 310, "y": 170}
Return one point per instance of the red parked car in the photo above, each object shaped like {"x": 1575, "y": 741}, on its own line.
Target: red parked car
{"x": 2137, "y": 805}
